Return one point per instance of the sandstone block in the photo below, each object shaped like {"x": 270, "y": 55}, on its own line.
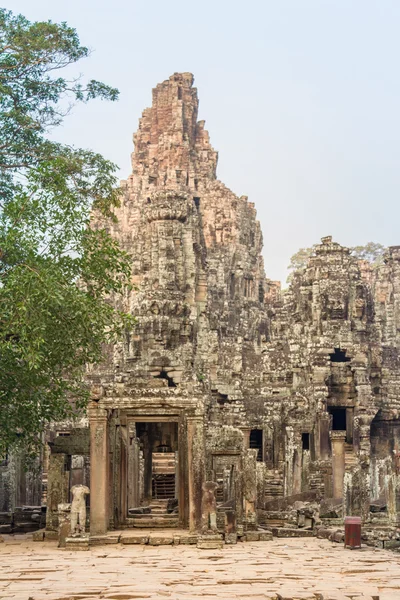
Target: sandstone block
{"x": 78, "y": 543}
{"x": 158, "y": 540}
{"x": 266, "y": 536}
{"x": 38, "y": 536}
{"x": 210, "y": 542}
{"x": 131, "y": 538}
{"x": 100, "y": 540}
{"x": 252, "y": 536}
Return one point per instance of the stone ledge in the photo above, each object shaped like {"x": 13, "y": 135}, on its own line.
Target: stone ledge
{"x": 134, "y": 539}
{"x": 77, "y": 543}
{"x": 287, "y": 532}
{"x": 160, "y": 540}
{"x": 99, "y": 540}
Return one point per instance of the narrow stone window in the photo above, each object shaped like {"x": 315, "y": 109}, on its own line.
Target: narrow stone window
{"x": 338, "y": 418}
{"x": 305, "y": 440}
{"x": 197, "y": 202}
{"x": 256, "y": 442}
{"x": 179, "y": 93}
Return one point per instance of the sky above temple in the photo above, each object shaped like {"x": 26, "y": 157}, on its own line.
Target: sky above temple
{"x": 301, "y": 99}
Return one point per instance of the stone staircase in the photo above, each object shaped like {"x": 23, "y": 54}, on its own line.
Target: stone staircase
{"x": 274, "y": 484}
{"x": 163, "y": 475}
{"x": 158, "y": 517}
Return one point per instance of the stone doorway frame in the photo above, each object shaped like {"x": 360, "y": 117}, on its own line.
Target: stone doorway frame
{"x": 106, "y": 416}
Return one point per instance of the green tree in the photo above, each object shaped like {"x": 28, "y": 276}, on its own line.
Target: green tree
{"x": 299, "y": 260}
{"x": 372, "y": 252}
{"x": 56, "y": 272}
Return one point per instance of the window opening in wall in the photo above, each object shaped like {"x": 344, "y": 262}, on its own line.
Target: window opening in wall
{"x": 4, "y": 459}
{"x": 63, "y": 433}
{"x": 305, "y": 440}
{"x": 179, "y": 93}
{"x": 197, "y": 202}
{"x": 164, "y": 375}
{"x": 256, "y": 442}
{"x": 339, "y": 356}
{"x": 338, "y": 418}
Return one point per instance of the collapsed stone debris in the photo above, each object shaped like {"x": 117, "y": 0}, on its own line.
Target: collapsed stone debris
{"x": 288, "y": 401}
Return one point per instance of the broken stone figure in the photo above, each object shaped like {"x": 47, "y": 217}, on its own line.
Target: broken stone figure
{"x": 209, "y": 507}
{"x": 78, "y": 509}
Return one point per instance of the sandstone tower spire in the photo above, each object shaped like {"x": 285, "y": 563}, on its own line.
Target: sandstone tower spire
{"x": 172, "y": 148}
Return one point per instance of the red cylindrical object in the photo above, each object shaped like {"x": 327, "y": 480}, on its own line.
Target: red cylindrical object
{"x": 352, "y": 532}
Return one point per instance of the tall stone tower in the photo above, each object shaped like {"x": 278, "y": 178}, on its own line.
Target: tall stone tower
{"x": 196, "y": 253}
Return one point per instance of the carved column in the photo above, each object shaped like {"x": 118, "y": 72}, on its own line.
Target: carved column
{"x": 338, "y": 439}
{"x": 57, "y": 489}
{"x": 99, "y": 459}
{"x": 250, "y": 488}
{"x": 324, "y": 426}
{"x": 196, "y": 468}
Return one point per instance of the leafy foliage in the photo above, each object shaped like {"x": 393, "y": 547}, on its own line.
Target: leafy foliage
{"x": 56, "y": 271}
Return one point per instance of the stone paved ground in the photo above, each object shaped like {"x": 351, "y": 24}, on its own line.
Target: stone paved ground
{"x": 308, "y": 569}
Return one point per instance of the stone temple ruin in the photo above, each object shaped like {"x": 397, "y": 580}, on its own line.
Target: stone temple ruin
{"x": 288, "y": 402}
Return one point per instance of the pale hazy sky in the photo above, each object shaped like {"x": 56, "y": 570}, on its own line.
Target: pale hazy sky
{"x": 301, "y": 99}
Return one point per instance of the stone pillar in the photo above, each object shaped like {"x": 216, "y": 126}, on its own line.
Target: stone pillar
{"x": 98, "y": 469}
{"x": 338, "y": 439}
{"x": 297, "y": 471}
{"x": 349, "y": 425}
{"x": 250, "y": 488}
{"x": 324, "y": 426}
{"x": 57, "y": 489}
{"x": 196, "y": 468}
{"x": 133, "y": 469}
{"x": 246, "y": 438}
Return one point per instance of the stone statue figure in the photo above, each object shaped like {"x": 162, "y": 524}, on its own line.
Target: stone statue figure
{"x": 209, "y": 507}
{"x": 78, "y": 509}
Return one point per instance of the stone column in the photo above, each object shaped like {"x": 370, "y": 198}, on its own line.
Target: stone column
{"x": 57, "y": 489}
{"x": 196, "y": 468}
{"x": 324, "y": 426}
{"x": 246, "y": 438}
{"x": 338, "y": 439}
{"x": 250, "y": 488}
{"x": 99, "y": 459}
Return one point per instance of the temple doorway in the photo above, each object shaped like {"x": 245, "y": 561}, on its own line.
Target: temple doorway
{"x": 153, "y": 478}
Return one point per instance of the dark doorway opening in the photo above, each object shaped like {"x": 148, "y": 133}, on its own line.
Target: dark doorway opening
{"x": 157, "y": 446}
{"x": 338, "y": 418}
{"x": 256, "y": 442}
{"x": 339, "y": 356}
{"x": 305, "y": 440}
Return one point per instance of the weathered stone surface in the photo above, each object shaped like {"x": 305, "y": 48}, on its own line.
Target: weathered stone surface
{"x": 38, "y": 536}
{"x": 159, "y": 540}
{"x": 210, "y": 541}
{"x": 77, "y": 543}
{"x": 131, "y": 538}
{"x": 265, "y": 536}
{"x": 286, "y": 532}
{"x": 100, "y": 540}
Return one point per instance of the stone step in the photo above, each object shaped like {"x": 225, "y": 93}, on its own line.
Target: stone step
{"x": 149, "y": 516}
{"x": 152, "y": 522}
